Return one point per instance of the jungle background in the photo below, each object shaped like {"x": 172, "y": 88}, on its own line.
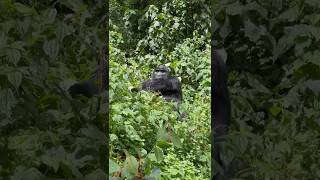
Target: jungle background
{"x": 147, "y": 139}
{"x": 274, "y": 70}
{"x": 273, "y": 60}
{"x": 45, "y": 46}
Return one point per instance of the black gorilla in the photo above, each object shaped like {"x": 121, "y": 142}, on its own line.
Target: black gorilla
{"x": 169, "y": 87}
{"x": 96, "y": 84}
{"x": 221, "y": 111}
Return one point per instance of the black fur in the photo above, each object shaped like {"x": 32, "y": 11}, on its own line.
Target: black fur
{"x": 95, "y": 85}
{"x": 221, "y": 111}
{"x": 169, "y": 87}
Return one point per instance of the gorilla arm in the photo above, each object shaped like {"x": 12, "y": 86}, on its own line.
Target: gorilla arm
{"x": 96, "y": 84}
{"x": 157, "y": 85}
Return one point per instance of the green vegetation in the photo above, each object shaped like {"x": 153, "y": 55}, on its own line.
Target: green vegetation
{"x": 274, "y": 62}
{"x": 273, "y": 58}
{"x": 146, "y": 139}
{"x": 44, "y": 134}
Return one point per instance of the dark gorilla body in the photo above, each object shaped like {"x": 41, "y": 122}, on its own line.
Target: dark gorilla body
{"x": 221, "y": 112}
{"x": 95, "y": 85}
{"x": 169, "y": 87}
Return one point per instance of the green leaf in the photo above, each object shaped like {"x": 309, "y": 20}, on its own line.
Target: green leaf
{"x": 15, "y": 79}
{"x": 50, "y": 15}
{"x": 13, "y": 56}
{"x": 313, "y": 3}
{"x": 51, "y": 162}
{"x": 51, "y": 48}
{"x": 7, "y": 101}
{"x": 234, "y": 9}
{"x": 227, "y": 156}
{"x": 252, "y": 31}
{"x": 313, "y": 57}
{"x": 63, "y": 30}
{"x": 242, "y": 143}
{"x": 254, "y": 83}
{"x": 155, "y": 174}
{"x": 162, "y": 134}
{"x": 22, "y": 173}
{"x": 176, "y": 141}
{"x": 289, "y": 15}
{"x": 113, "y": 166}
{"x": 159, "y": 154}
{"x": 130, "y": 167}
{"x": 25, "y": 10}
{"x": 275, "y": 110}
{"x": 70, "y": 169}
{"x": 98, "y": 174}
{"x": 313, "y": 85}
{"x": 163, "y": 144}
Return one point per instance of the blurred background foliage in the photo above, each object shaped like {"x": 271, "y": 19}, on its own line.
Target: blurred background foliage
{"x": 147, "y": 140}
{"x": 44, "y": 47}
{"x": 274, "y": 63}
{"x": 273, "y": 59}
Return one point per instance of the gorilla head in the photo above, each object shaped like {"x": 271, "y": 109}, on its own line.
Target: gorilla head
{"x": 161, "y": 73}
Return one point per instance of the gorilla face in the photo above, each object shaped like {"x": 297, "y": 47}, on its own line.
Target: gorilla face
{"x": 161, "y": 73}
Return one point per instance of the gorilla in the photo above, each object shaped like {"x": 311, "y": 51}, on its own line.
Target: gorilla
{"x": 161, "y": 81}
{"x": 95, "y": 85}
{"x": 221, "y": 112}
{"x": 168, "y": 87}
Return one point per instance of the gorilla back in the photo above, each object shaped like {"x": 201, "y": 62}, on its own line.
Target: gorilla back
{"x": 221, "y": 110}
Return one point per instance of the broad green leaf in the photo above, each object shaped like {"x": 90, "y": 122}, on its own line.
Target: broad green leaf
{"x": 275, "y": 110}
{"x": 113, "y": 166}
{"x": 252, "y": 31}
{"x": 98, "y": 174}
{"x": 63, "y": 30}
{"x": 227, "y": 156}
{"x": 289, "y": 15}
{"x": 23, "y": 173}
{"x": 159, "y": 154}
{"x": 154, "y": 174}
{"x": 163, "y": 144}
{"x": 51, "y": 48}
{"x": 313, "y": 85}
{"x": 234, "y": 9}
{"x": 69, "y": 169}
{"x": 15, "y": 79}
{"x": 25, "y": 10}
{"x": 242, "y": 143}
{"x": 254, "y": 83}
{"x": 176, "y": 141}
{"x": 51, "y": 162}
{"x": 130, "y": 166}
{"x": 50, "y": 15}
{"x": 7, "y": 101}
{"x": 13, "y": 56}
{"x": 162, "y": 134}
{"x": 313, "y": 3}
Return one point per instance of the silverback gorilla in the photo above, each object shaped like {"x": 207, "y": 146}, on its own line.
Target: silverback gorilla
{"x": 161, "y": 81}
{"x": 221, "y": 112}
{"x": 96, "y": 84}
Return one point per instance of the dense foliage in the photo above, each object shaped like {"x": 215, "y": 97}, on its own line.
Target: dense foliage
{"x": 147, "y": 140}
{"x": 273, "y": 57}
{"x": 44, "y": 46}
